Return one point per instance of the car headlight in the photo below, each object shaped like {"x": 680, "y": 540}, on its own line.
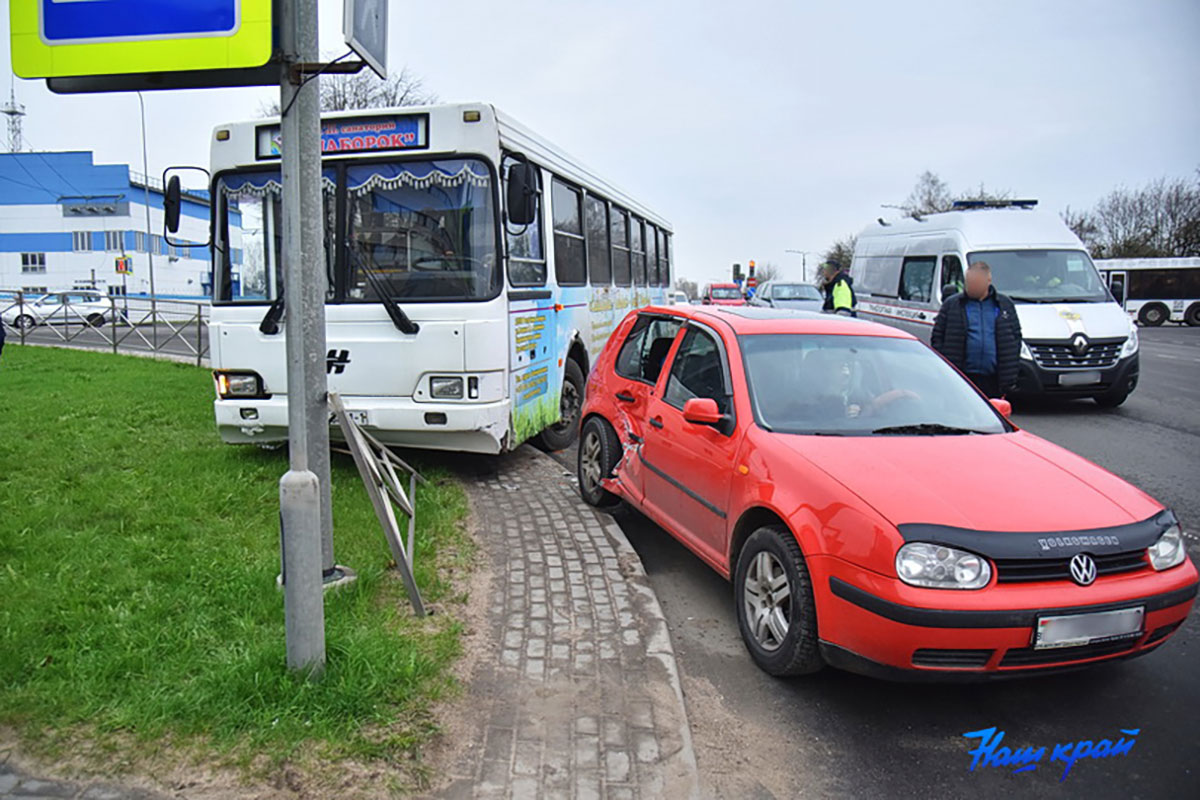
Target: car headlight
{"x": 446, "y": 388}
{"x": 940, "y": 567}
{"x": 1169, "y": 550}
{"x": 1131, "y": 344}
{"x": 238, "y": 384}
{"x": 1026, "y": 353}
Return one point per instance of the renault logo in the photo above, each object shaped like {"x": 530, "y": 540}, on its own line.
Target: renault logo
{"x": 1083, "y": 569}
{"x": 1079, "y": 343}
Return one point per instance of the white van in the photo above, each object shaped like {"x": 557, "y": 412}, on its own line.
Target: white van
{"x": 1078, "y": 341}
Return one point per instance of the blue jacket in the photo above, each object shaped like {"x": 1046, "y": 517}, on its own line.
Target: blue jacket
{"x": 951, "y": 334}
{"x": 981, "y": 335}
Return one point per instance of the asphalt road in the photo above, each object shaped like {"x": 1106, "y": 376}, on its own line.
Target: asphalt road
{"x": 177, "y": 339}
{"x": 837, "y": 734}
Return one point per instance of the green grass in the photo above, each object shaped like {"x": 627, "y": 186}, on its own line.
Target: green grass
{"x": 138, "y": 558}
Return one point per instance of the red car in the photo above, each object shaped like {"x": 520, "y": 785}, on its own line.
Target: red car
{"x": 873, "y": 510}
{"x": 722, "y": 294}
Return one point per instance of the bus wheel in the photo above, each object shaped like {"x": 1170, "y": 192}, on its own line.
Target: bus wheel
{"x": 1153, "y": 314}
{"x": 562, "y": 434}
{"x": 1192, "y": 317}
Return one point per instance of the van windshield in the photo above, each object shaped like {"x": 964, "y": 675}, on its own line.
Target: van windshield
{"x": 1044, "y": 276}
{"x": 725, "y": 292}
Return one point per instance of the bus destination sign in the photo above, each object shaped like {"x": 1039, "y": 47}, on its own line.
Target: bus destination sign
{"x": 355, "y": 135}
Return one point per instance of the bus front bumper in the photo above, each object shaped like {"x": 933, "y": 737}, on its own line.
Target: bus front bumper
{"x": 1034, "y": 379}
{"x": 399, "y": 421}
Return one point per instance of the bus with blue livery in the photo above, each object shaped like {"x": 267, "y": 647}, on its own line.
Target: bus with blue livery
{"x": 474, "y": 272}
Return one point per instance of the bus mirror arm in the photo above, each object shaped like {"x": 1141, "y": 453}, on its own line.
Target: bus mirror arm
{"x": 270, "y": 321}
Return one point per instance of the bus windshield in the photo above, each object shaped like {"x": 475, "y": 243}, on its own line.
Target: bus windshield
{"x": 417, "y": 230}
{"x": 1044, "y": 276}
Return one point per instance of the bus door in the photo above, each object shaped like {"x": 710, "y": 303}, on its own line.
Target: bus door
{"x": 1116, "y": 284}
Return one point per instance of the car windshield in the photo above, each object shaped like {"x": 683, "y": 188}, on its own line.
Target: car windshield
{"x": 725, "y": 292}
{"x": 858, "y": 386}
{"x": 417, "y": 230}
{"x": 1044, "y": 276}
{"x": 794, "y": 291}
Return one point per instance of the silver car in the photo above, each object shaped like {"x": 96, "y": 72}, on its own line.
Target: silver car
{"x": 83, "y": 306}
{"x": 795, "y": 296}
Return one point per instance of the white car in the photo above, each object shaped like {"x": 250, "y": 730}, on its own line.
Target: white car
{"x": 83, "y": 306}
{"x": 678, "y": 298}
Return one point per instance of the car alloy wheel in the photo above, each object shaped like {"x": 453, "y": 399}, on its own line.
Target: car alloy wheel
{"x": 767, "y": 595}
{"x": 599, "y": 452}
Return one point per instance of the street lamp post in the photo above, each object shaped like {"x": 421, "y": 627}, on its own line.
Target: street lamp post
{"x": 149, "y": 237}
{"x": 803, "y": 262}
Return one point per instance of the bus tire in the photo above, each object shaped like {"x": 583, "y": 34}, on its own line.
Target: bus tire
{"x": 1192, "y": 315}
{"x": 563, "y": 433}
{"x": 1153, "y": 314}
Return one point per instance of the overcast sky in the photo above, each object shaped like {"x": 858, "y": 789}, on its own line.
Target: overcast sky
{"x": 758, "y": 127}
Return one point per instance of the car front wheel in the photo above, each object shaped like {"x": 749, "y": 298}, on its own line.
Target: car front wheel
{"x": 775, "y": 609}
{"x": 25, "y": 322}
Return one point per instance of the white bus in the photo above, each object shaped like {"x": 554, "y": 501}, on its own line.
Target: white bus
{"x": 1155, "y": 290}
{"x": 448, "y": 325}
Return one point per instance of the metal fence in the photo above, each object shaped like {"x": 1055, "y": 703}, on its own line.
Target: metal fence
{"x": 176, "y": 329}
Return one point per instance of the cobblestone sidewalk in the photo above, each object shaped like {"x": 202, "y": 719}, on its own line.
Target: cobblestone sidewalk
{"x": 582, "y": 697}
{"x": 15, "y": 785}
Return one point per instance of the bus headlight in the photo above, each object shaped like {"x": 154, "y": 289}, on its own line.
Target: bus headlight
{"x": 446, "y": 388}
{"x": 1026, "y": 353}
{"x": 1168, "y": 551}
{"x": 232, "y": 385}
{"x": 1131, "y": 344}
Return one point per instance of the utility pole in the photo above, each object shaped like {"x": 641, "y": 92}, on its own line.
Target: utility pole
{"x": 301, "y": 489}
{"x": 803, "y": 262}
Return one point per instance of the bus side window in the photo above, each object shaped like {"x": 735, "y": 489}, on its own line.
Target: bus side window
{"x": 526, "y": 257}
{"x": 599, "y": 254}
{"x": 620, "y": 246}
{"x": 570, "y": 269}
{"x": 952, "y": 275}
{"x": 639, "y": 251}
{"x": 664, "y": 256}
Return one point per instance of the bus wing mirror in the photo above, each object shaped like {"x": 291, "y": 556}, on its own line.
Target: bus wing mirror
{"x": 522, "y": 193}
{"x": 184, "y": 185}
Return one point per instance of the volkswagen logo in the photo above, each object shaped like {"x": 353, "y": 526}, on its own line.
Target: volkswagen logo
{"x": 1083, "y": 569}
{"x": 1079, "y": 343}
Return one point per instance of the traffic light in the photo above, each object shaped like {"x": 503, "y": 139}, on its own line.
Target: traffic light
{"x": 752, "y": 269}
{"x": 737, "y": 273}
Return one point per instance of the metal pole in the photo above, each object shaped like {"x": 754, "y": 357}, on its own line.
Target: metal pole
{"x": 149, "y": 236}
{"x": 300, "y": 489}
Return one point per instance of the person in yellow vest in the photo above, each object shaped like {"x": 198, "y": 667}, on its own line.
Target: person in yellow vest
{"x": 839, "y": 290}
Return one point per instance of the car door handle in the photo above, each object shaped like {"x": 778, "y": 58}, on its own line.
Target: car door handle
{"x": 625, "y": 397}
{"x": 656, "y": 422}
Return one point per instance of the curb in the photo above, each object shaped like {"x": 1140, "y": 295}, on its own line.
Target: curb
{"x": 658, "y": 644}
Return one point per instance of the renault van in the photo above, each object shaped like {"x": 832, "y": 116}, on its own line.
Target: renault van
{"x": 1078, "y": 341}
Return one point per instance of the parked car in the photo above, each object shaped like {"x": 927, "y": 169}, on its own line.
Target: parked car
{"x": 873, "y": 510}
{"x": 798, "y": 296}
{"x": 82, "y": 306}
{"x": 722, "y": 294}
{"x": 678, "y": 298}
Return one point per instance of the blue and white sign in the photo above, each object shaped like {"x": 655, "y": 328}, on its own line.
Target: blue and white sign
{"x": 81, "y": 21}
{"x": 365, "y": 24}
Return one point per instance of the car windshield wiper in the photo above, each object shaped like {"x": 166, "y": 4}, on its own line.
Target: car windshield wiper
{"x": 1017, "y": 298}
{"x": 925, "y": 429}
{"x": 399, "y": 318}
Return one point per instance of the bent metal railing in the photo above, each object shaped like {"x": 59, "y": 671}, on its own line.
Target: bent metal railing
{"x": 177, "y": 329}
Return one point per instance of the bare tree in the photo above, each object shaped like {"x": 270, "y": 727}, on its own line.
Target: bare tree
{"x": 841, "y": 252}
{"x": 929, "y": 196}
{"x": 767, "y": 271}
{"x": 687, "y": 287}
{"x": 364, "y": 89}
{"x": 1159, "y": 220}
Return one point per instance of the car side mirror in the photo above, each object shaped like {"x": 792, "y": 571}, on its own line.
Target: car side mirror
{"x": 702, "y": 411}
{"x": 948, "y": 290}
{"x": 707, "y": 301}
{"x": 522, "y": 193}
{"x": 1001, "y": 405}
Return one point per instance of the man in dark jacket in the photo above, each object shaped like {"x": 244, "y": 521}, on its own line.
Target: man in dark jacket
{"x": 1, "y": 337}
{"x": 839, "y": 290}
{"x": 978, "y": 331}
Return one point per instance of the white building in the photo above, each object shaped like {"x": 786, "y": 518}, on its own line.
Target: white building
{"x": 64, "y": 221}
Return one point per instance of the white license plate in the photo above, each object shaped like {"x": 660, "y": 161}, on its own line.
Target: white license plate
{"x": 357, "y": 417}
{"x": 1071, "y": 630}
{"x": 1078, "y": 378}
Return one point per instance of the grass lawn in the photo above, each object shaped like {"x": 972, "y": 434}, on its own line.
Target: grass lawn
{"x": 138, "y": 605}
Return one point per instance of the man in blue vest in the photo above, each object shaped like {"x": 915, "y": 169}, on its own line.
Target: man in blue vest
{"x": 978, "y": 331}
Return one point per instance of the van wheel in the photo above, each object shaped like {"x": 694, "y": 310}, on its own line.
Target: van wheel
{"x": 775, "y": 609}
{"x": 1153, "y": 314}
{"x": 1111, "y": 399}
{"x": 1192, "y": 316}
{"x": 599, "y": 454}
{"x": 563, "y": 433}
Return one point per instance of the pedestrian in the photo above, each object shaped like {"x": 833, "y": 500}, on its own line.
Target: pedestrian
{"x": 978, "y": 331}
{"x": 839, "y": 290}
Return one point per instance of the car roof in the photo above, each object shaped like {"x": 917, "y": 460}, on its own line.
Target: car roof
{"x": 750, "y": 320}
